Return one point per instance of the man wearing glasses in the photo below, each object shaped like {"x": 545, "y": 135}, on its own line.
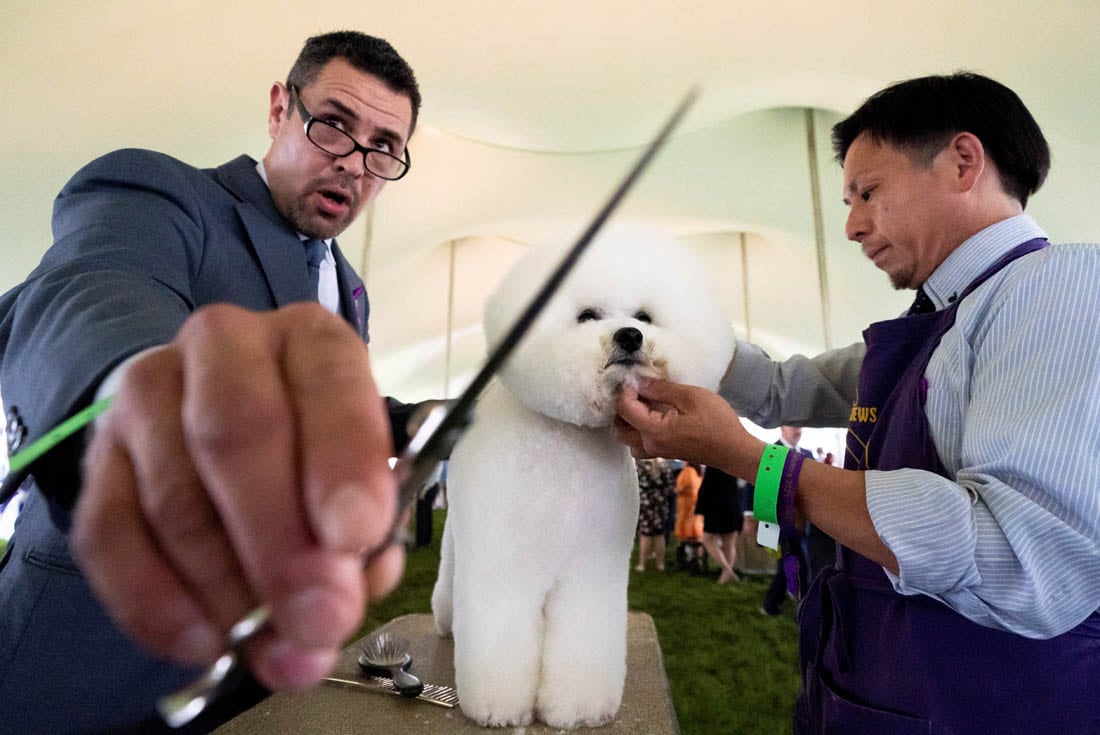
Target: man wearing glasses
{"x": 244, "y": 458}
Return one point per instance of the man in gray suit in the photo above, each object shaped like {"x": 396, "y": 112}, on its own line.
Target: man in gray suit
{"x": 244, "y": 459}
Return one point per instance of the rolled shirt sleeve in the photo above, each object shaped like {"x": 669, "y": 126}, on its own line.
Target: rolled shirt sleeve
{"x": 801, "y": 391}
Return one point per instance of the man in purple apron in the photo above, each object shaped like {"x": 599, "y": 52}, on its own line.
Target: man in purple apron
{"x": 965, "y": 593}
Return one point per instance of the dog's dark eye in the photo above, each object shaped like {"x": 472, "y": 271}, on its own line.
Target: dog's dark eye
{"x": 587, "y": 315}
{"x": 643, "y": 316}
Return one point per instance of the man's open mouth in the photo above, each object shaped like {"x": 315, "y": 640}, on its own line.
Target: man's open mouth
{"x": 334, "y": 202}
{"x": 336, "y": 196}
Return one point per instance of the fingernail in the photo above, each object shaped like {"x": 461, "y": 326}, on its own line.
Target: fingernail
{"x": 344, "y": 519}
{"x": 301, "y": 611}
{"x": 198, "y": 642}
{"x": 286, "y": 666}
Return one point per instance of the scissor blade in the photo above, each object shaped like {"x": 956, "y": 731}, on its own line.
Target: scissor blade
{"x": 432, "y": 441}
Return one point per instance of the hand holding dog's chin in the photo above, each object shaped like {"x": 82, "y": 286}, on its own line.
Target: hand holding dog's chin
{"x": 663, "y": 419}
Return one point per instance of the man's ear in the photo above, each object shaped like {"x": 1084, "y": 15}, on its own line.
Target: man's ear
{"x": 967, "y": 155}
{"x": 279, "y": 110}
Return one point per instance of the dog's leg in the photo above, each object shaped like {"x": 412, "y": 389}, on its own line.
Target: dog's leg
{"x": 498, "y": 632}
{"x": 584, "y": 656}
{"x": 443, "y": 593}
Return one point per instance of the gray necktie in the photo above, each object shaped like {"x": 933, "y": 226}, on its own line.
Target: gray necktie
{"x": 315, "y": 255}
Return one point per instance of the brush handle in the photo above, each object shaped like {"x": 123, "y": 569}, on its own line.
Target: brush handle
{"x": 406, "y": 683}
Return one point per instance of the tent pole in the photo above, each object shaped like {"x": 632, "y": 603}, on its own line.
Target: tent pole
{"x": 745, "y": 285}
{"x": 450, "y": 319}
{"x": 819, "y": 228}
{"x": 368, "y": 236}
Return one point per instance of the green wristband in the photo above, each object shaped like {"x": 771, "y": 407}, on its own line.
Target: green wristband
{"x": 768, "y": 476}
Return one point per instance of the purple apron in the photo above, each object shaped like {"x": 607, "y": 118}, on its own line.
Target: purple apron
{"x": 874, "y": 661}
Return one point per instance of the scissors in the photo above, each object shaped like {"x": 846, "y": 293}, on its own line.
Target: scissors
{"x": 430, "y": 444}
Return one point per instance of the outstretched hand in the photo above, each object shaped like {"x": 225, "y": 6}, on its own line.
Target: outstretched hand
{"x": 664, "y": 419}
{"x": 244, "y": 463}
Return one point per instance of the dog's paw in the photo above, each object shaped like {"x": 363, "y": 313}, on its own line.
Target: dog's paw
{"x": 571, "y": 715}
{"x": 494, "y": 694}
{"x": 497, "y": 715}
{"x": 578, "y": 699}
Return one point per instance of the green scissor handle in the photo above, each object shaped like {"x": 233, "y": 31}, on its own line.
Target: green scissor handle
{"x": 21, "y": 460}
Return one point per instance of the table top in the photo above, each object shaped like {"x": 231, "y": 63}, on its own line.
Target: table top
{"x": 335, "y": 709}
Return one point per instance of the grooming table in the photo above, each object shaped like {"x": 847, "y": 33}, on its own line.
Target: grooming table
{"x": 337, "y": 710}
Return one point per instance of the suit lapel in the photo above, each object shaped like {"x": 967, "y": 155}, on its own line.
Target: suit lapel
{"x": 275, "y": 244}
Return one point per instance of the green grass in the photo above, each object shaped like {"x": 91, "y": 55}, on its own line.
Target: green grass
{"x": 731, "y": 669}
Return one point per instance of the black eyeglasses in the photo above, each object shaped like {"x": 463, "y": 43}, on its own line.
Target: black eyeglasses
{"x": 335, "y": 142}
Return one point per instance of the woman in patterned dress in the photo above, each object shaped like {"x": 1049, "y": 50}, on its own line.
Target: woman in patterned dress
{"x": 656, "y": 484}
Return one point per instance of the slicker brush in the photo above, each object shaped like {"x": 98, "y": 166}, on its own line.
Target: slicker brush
{"x": 389, "y": 654}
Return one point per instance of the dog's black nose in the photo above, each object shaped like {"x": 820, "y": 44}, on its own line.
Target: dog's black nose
{"x": 628, "y": 338}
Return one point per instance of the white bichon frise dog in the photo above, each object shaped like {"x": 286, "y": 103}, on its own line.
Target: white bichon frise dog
{"x": 543, "y": 501}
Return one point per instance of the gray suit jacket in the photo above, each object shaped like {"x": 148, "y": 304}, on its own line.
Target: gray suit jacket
{"x": 141, "y": 241}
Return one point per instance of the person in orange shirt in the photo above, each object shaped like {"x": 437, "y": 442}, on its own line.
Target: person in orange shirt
{"x": 689, "y": 527}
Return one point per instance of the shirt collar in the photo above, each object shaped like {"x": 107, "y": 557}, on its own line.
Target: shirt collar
{"x": 262, "y": 172}
{"x": 969, "y": 260}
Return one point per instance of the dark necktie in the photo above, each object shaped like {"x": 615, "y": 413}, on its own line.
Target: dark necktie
{"x": 921, "y": 304}
{"x": 315, "y": 255}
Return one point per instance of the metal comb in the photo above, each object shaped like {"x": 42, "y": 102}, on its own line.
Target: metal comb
{"x": 444, "y": 696}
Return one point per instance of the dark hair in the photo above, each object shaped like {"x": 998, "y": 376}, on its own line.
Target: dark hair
{"x": 922, "y": 115}
{"x": 366, "y": 53}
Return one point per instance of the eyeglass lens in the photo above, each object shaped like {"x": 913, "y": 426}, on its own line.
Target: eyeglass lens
{"x": 332, "y": 140}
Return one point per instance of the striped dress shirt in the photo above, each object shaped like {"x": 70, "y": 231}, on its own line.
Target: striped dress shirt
{"x": 1011, "y": 539}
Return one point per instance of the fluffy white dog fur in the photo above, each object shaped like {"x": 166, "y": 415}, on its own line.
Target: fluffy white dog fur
{"x": 543, "y": 501}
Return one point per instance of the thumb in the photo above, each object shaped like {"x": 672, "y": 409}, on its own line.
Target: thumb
{"x": 662, "y": 391}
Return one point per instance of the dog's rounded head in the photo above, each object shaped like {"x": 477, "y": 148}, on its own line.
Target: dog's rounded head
{"x": 635, "y": 304}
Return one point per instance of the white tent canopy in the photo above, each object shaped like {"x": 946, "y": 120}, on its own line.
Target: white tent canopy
{"x": 532, "y": 112}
